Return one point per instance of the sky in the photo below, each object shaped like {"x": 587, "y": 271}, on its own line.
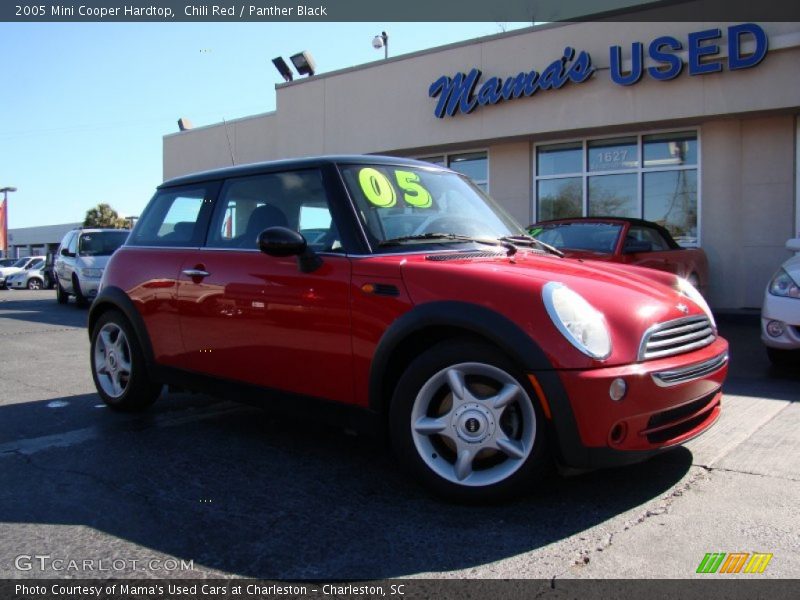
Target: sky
{"x": 84, "y": 106}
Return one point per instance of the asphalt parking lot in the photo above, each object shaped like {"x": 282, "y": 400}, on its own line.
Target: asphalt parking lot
{"x": 234, "y": 491}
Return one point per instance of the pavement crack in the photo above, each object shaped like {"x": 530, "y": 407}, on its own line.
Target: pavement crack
{"x": 663, "y": 506}
{"x": 740, "y": 472}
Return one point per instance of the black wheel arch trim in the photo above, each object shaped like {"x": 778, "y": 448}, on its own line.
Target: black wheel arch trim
{"x": 112, "y": 297}
{"x": 503, "y": 333}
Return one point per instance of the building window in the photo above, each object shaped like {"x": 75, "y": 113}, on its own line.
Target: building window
{"x": 644, "y": 176}
{"x": 474, "y": 165}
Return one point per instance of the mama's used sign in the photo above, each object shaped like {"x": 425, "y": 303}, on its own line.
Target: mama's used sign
{"x": 464, "y": 92}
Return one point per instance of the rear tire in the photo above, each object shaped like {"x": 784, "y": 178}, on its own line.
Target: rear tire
{"x": 61, "y": 296}
{"x": 463, "y": 421}
{"x": 118, "y": 366}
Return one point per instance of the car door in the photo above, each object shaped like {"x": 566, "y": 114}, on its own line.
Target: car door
{"x": 172, "y": 227}
{"x": 63, "y": 273}
{"x": 258, "y": 319}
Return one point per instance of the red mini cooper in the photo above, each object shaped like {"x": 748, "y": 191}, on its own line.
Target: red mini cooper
{"x": 399, "y": 294}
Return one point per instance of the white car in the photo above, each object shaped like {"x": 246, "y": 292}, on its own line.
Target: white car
{"x": 31, "y": 278}
{"x": 780, "y": 314}
{"x": 80, "y": 261}
{"x": 17, "y": 267}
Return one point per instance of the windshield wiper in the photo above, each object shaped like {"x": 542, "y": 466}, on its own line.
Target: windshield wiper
{"x": 527, "y": 240}
{"x": 509, "y": 247}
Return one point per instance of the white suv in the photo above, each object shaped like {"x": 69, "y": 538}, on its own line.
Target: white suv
{"x": 80, "y": 261}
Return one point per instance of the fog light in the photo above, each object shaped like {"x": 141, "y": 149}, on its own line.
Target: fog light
{"x": 618, "y": 389}
{"x": 618, "y": 432}
{"x": 776, "y": 328}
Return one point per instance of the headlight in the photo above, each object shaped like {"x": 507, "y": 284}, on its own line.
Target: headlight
{"x": 92, "y": 273}
{"x": 783, "y": 285}
{"x": 577, "y": 320}
{"x": 688, "y": 290}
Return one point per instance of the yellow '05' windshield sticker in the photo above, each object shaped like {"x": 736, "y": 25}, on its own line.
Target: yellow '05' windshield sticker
{"x": 379, "y": 191}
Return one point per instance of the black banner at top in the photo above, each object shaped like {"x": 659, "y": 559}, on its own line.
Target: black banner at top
{"x": 406, "y": 10}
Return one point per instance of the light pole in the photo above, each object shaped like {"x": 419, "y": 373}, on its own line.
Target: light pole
{"x": 382, "y": 41}
{"x": 4, "y": 219}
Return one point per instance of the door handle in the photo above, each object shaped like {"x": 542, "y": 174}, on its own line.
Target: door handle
{"x": 196, "y": 273}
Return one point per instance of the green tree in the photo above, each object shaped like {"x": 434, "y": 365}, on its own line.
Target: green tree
{"x": 103, "y": 215}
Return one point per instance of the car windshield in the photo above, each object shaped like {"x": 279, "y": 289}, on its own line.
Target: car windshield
{"x": 21, "y": 263}
{"x": 594, "y": 237}
{"x": 401, "y": 204}
{"x": 101, "y": 243}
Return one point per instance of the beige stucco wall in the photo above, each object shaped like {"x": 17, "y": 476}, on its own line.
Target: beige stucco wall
{"x": 746, "y": 121}
{"x": 747, "y": 184}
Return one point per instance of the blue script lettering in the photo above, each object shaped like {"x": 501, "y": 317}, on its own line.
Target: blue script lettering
{"x": 457, "y": 94}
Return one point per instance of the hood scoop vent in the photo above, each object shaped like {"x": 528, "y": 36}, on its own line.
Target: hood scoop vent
{"x": 465, "y": 255}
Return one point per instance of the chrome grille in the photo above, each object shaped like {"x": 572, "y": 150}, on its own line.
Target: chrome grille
{"x": 676, "y": 337}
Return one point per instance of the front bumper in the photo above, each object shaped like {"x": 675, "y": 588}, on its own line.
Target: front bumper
{"x": 668, "y": 402}
{"x": 787, "y": 311}
{"x": 90, "y": 287}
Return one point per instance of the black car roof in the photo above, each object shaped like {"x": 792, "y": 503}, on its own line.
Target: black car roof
{"x": 292, "y": 163}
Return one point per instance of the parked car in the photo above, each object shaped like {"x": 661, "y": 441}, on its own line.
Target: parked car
{"x": 481, "y": 354}
{"x": 780, "y": 313}
{"x": 81, "y": 258}
{"x": 31, "y": 278}
{"x": 20, "y": 265}
{"x": 626, "y": 241}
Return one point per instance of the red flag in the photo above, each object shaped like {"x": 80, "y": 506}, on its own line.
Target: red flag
{"x": 3, "y": 228}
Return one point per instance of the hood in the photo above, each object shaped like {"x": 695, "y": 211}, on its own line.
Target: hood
{"x": 632, "y": 299}
{"x": 792, "y": 266}
{"x": 97, "y": 262}
{"x": 6, "y": 271}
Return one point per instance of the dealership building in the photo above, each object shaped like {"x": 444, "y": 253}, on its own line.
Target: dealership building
{"x": 692, "y": 125}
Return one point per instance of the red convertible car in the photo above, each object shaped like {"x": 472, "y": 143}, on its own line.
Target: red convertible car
{"x": 627, "y": 241}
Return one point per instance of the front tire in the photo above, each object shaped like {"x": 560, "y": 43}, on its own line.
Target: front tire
{"x": 464, "y": 422}
{"x": 118, "y": 366}
{"x": 783, "y": 358}
{"x": 61, "y": 295}
{"x": 34, "y": 284}
{"x": 80, "y": 299}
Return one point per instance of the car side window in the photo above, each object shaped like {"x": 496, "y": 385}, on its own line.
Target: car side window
{"x": 293, "y": 199}
{"x": 72, "y": 245}
{"x": 647, "y": 234}
{"x": 175, "y": 218}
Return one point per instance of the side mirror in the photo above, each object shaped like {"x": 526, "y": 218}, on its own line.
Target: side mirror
{"x": 636, "y": 246}
{"x": 793, "y": 245}
{"x": 65, "y": 252}
{"x": 282, "y": 241}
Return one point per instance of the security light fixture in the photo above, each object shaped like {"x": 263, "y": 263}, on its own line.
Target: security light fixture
{"x": 5, "y": 191}
{"x": 382, "y": 41}
{"x": 283, "y": 68}
{"x": 184, "y": 124}
{"x": 304, "y": 63}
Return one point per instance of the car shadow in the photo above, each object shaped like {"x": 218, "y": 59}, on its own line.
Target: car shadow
{"x": 242, "y": 491}
{"x": 41, "y": 307}
{"x": 750, "y": 372}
